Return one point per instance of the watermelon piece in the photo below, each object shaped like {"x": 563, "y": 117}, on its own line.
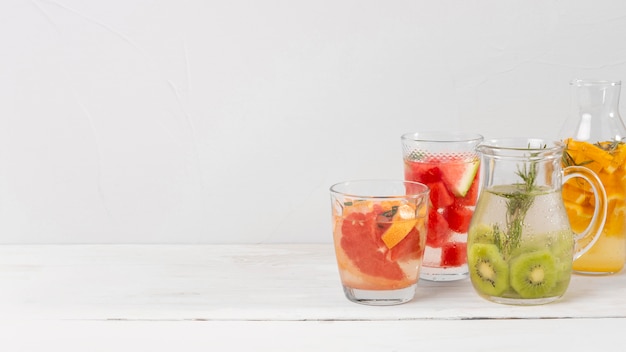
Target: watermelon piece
{"x": 424, "y": 172}
{"x": 454, "y": 254}
{"x": 458, "y": 176}
{"x": 458, "y": 218}
{"x": 440, "y": 197}
{"x": 438, "y": 229}
{"x": 471, "y": 197}
{"x": 431, "y": 174}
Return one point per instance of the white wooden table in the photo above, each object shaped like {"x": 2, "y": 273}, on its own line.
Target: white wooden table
{"x": 269, "y": 298}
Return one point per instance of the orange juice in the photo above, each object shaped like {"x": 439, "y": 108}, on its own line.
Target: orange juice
{"x": 607, "y": 160}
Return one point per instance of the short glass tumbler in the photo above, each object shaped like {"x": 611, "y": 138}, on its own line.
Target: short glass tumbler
{"x": 379, "y": 232}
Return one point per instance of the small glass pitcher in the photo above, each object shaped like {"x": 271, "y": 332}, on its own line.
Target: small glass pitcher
{"x": 520, "y": 243}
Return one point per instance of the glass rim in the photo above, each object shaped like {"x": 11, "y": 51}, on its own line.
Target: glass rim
{"x": 516, "y": 143}
{"x": 424, "y": 190}
{"x": 522, "y": 148}
{"x": 594, "y": 82}
{"x": 440, "y": 136}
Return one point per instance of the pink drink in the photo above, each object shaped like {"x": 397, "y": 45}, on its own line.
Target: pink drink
{"x": 453, "y": 177}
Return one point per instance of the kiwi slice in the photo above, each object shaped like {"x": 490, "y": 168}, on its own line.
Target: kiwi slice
{"x": 481, "y": 233}
{"x": 533, "y": 274}
{"x": 488, "y": 270}
{"x": 563, "y": 248}
{"x": 532, "y": 244}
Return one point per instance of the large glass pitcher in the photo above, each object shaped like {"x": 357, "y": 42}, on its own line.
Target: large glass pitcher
{"x": 595, "y": 137}
{"x": 520, "y": 243}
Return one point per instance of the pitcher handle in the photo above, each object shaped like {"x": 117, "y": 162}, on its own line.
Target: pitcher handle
{"x": 596, "y": 225}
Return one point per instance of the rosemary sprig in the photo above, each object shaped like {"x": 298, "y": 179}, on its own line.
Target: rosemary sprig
{"x": 568, "y": 160}
{"x": 610, "y": 147}
{"x": 518, "y": 204}
{"x": 390, "y": 213}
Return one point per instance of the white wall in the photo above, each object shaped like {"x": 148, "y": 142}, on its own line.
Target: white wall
{"x": 142, "y": 121}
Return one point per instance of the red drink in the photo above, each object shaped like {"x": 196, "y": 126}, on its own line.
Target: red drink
{"x": 450, "y": 168}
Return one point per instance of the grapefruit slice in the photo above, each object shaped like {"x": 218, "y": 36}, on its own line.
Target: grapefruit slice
{"x": 365, "y": 260}
{"x": 353, "y": 277}
{"x": 410, "y": 248}
{"x": 362, "y": 244}
{"x": 458, "y": 176}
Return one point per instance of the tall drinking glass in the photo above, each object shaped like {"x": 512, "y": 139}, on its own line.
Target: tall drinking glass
{"x": 448, "y": 163}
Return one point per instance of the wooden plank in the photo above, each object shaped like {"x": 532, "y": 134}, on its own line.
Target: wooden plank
{"x": 242, "y": 282}
{"x": 416, "y": 335}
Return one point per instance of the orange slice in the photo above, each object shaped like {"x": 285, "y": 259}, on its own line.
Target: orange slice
{"x": 583, "y": 152}
{"x": 615, "y": 226}
{"x": 573, "y": 193}
{"x": 389, "y": 204}
{"x": 403, "y": 222}
{"x": 579, "y": 216}
{"x": 579, "y": 210}
{"x": 618, "y": 156}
